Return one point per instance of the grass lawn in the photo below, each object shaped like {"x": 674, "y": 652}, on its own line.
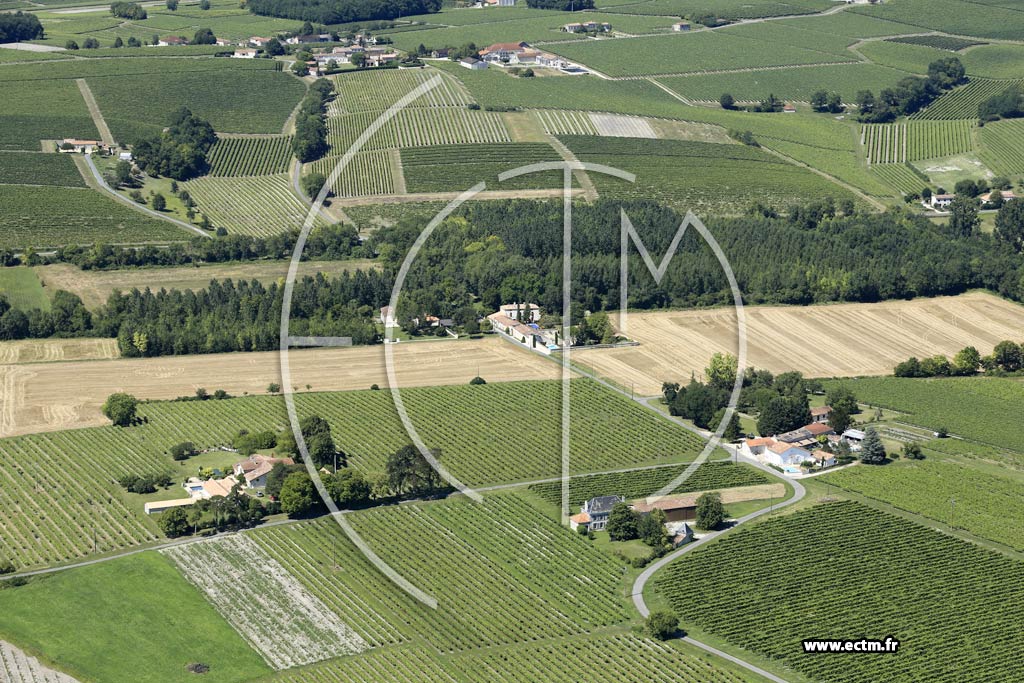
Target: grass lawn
{"x": 22, "y": 289}
{"x": 134, "y": 618}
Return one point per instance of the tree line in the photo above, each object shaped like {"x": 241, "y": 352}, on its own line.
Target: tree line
{"x": 18, "y": 26}
{"x": 310, "y": 140}
{"x": 912, "y": 93}
{"x": 342, "y": 11}
{"x": 1006, "y": 357}
{"x": 331, "y": 242}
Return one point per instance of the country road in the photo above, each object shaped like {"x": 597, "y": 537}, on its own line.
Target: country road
{"x": 641, "y": 581}
{"x": 124, "y": 200}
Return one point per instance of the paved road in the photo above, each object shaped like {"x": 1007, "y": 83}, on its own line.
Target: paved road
{"x": 124, "y": 200}
{"x": 641, "y": 581}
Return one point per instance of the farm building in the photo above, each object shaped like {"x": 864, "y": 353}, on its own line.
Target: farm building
{"x": 681, "y": 26}
{"x": 680, "y": 535}
{"x": 162, "y": 505}
{"x": 172, "y": 40}
{"x": 774, "y": 451}
{"x": 941, "y": 201}
{"x": 1007, "y": 195}
{"x": 788, "y": 108}
{"x": 524, "y": 312}
{"x": 258, "y": 41}
{"x": 587, "y": 27}
{"x": 473, "y": 63}
{"x": 594, "y": 513}
{"x": 387, "y": 317}
{"x": 853, "y": 437}
{"x": 509, "y": 53}
{"x": 823, "y": 458}
{"x": 500, "y": 3}
{"x": 255, "y": 469}
{"x": 244, "y": 53}
{"x": 72, "y": 145}
{"x": 441, "y": 53}
{"x": 309, "y": 38}
{"x": 821, "y": 414}
{"x": 199, "y": 489}
{"x": 676, "y": 508}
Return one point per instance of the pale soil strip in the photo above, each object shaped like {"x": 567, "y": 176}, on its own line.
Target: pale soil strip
{"x": 821, "y": 341}
{"x": 70, "y": 394}
{"x": 270, "y": 608}
{"x": 16, "y": 666}
{"x": 616, "y": 125}
{"x": 49, "y": 350}
{"x": 397, "y": 172}
{"x": 94, "y": 111}
{"x": 589, "y": 189}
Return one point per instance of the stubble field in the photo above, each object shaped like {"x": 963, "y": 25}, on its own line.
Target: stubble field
{"x": 48, "y": 397}
{"x": 821, "y": 341}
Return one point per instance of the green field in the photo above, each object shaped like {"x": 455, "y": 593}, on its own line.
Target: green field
{"x": 135, "y": 614}
{"x": 455, "y": 168}
{"x": 903, "y": 178}
{"x": 995, "y": 61}
{"x": 22, "y": 288}
{"x": 232, "y": 100}
{"x": 937, "y": 403}
{"x": 82, "y": 499}
{"x": 42, "y": 110}
{"x": 687, "y": 53}
{"x": 19, "y": 168}
{"x": 843, "y": 570}
{"x": 961, "y": 17}
{"x": 49, "y": 217}
{"x": 950, "y": 43}
{"x": 727, "y": 9}
{"x": 643, "y": 483}
{"x": 791, "y": 84}
{"x": 698, "y": 176}
{"x": 987, "y": 505}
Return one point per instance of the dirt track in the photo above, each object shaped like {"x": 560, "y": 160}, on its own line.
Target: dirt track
{"x": 51, "y": 396}
{"x": 821, "y": 341}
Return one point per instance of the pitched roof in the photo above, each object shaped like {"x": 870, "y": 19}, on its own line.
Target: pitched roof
{"x": 602, "y": 504}
{"x": 820, "y": 454}
{"x": 508, "y": 47}
{"x": 580, "y": 518}
{"x": 821, "y": 410}
{"x": 763, "y": 441}
{"x": 817, "y": 428}
{"x": 218, "y": 487}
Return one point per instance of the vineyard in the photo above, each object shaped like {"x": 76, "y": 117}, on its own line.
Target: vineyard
{"x": 903, "y": 178}
{"x": 18, "y": 667}
{"x": 791, "y": 84}
{"x": 986, "y": 505}
{"x": 935, "y": 139}
{"x": 962, "y": 17}
{"x": 39, "y": 169}
{"x": 938, "y": 403}
{"x": 375, "y": 91}
{"x": 622, "y": 658}
{"x": 696, "y": 52}
{"x": 558, "y": 122}
{"x": 418, "y": 127}
{"x": 500, "y": 558}
{"x": 884, "y": 143}
{"x": 60, "y": 497}
{"x": 729, "y": 9}
{"x": 50, "y": 216}
{"x": 898, "y": 143}
{"x": 865, "y": 574}
{"x": 250, "y": 156}
{"x": 950, "y": 43}
{"x": 276, "y": 615}
{"x": 698, "y": 176}
{"x": 406, "y": 665}
{"x": 643, "y": 483}
{"x": 455, "y": 168}
{"x": 260, "y": 205}
{"x": 42, "y": 110}
{"x": 368, "y": 173}
{"x": 233, "y": 100}
{"x": 963, "y": 102}
{"x": 468, "y": 424}
{"x": 1002, "y": 146}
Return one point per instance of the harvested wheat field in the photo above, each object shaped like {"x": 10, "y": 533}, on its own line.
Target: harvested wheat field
{"x": 49, "y": 350}
{"x": 47, "y": 397}
{"x": 821, "y": 341}
{"x": 95, "y": 286}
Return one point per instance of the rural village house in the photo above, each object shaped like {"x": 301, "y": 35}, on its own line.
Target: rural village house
{"x": 594, "y": 514}
{"x": 255, "y": 469}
